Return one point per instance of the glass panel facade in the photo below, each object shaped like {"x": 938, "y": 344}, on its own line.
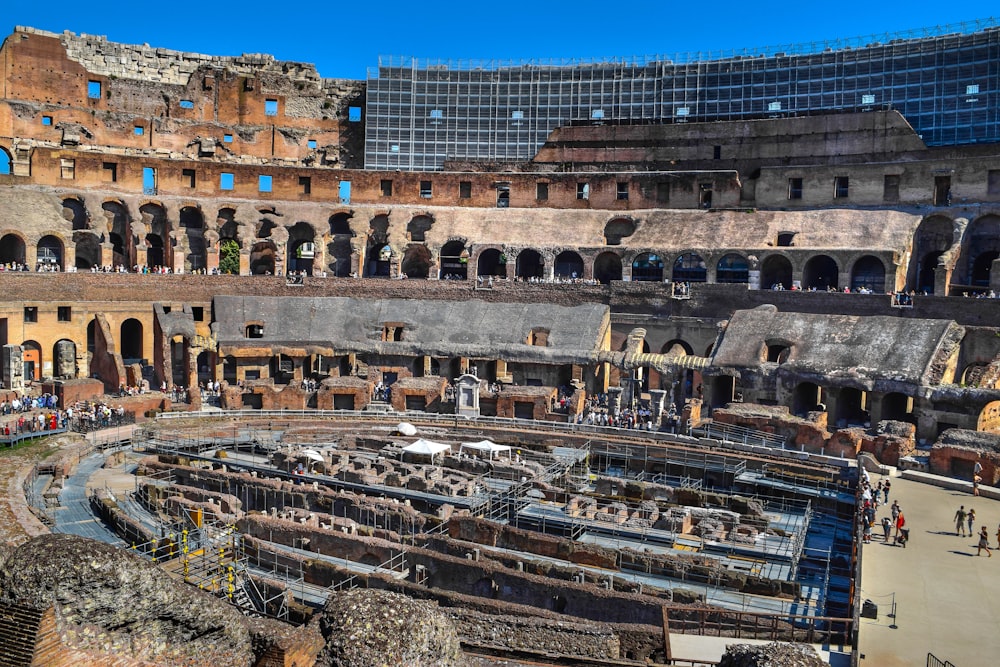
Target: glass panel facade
{"x": 505, "y": 111}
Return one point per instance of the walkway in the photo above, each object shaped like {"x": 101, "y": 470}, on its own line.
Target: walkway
{"x": 946, "y": 597}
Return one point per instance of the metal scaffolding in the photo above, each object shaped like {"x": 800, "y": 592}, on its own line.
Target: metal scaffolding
{"x": 944, "y": 80}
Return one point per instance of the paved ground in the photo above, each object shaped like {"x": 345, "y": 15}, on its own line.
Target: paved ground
{"x": 947, "y": 599}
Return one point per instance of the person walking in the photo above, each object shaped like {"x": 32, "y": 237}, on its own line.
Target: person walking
{"x": 984, "y": 543}
{"x": 971, "y": 520}
{"x": 900, "y": 523}
{"x": 885, "y": 490}
{"x": 887, "y": 528}
{"x": 960, "y": 521}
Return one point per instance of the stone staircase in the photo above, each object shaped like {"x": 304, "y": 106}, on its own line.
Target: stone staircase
{"x": 19, "y": 634}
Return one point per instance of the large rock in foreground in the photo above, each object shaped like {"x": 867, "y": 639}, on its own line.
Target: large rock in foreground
{"x": 372, "y": 628}
{"x": 111, "y": 601}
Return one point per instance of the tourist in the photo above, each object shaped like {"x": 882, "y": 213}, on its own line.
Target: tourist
{"x": 960, "y": 521}
{"x": 900, "y": 523}
{"x": 984, "y": 543}
{"x": 886, "y": 528}
{"x": 971, "y": 520}
{"x": 885, "y": 490}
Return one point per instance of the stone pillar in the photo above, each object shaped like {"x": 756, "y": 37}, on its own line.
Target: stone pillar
{"x": 511, "y": 268}
{"x": 614, "y": 401}
{"x": 140, "y": 256}
{"x": 657, "y": 399}
{"x": 831, "y": 396}
{"x": 995, "y": 276}
{"x": 194, "y": 396}
{"x": 107, "y": 254}
{"x": 502, "y": 375}
{"x": 244, "y": 262}
{"x": 942, "y": 279}
{"x": 211, "y": 259}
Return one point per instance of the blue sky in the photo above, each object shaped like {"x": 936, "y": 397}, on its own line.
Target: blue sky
{"x": 345, "y": 37}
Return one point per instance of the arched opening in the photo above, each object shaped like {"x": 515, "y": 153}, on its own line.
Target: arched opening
{"x": 607, "y": 267}
{"x": 12, "y": 250}
{"x": 340, "y": 223}
{"x": 492, "y": 262}
{"x": 64, "y": 359}
{"x": 868, "y": 273}
{"x": 379, "y": 252}
{"x": 647, "y": 267}
{"x": 32, "y": 358}
{"x": 820, "y": 273}
{"x": 934, "y": 236}
{"x": 88, "y": 250}
{"x": 416, "y": 261}
{"x": 155, "y": 218}
{"x": 928, "y": 272}
{"x": 193, "y": 224}
{"x": 5, "y": 161}
{"x": 262, "y": 257}
{"x": 75, "y": 212}
{"x": 981, "y": 266}
{"x": 981, "y": 247}
{"x": 807, "y": 397}
{"x": 418, "y": 227}
{"x": 454, "y": 261}
{"x": 732, "y": 268}
{"x": 131, "y": 341}
{"x": 689, "y": 268}
{"x": 179, "y": 353}
{"x": 569, "y": 264}
{"x": 206, "y": 366}
{"x": 91, "y": 336}
{"x": 897, "y": 407}
{"x": 229, "y": 369}
{"x": 50, "y": 253}
{"x": 682, "y": 383}
{"x": 973, "y": 374}
{"x": 851, "y": 407}
{"x": 618, "y": 229}
{"x": 989, "y": 417}
{"x": 301, "y": 248}
{"x": 118, "y": 223}
{"x": 776, "y": 270}
{"x": 530, "y": 264}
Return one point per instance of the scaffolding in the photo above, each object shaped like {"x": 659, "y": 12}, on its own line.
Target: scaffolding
{"x": 423, "y": 113}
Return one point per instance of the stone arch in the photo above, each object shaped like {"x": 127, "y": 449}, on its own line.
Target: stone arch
{"x": 154, "y": 216}
{"x": 617, "y": 229}
{"x": 75, "y": 212}
{"x": 88, "y": 250}
{"x": 340, "y": 223}
{"x": 64, "y": 359}
{"x": 417, "y": 261}
{"x": 868, "y": 272}
{"x": 378, "y": 253}
{"x": 50, "y": 251}
{"x": 981, "y": 247}
{"x": 607, "y": 267}
{"x": 821, "y": 272}
{"x": 116, "y": 231}
{"x": 568, "y": 264}
{"x": 732, "y": 268}
{"x": 226, "y": 223}
{"x": 454, "y": 258}
{"x": 690, "y": 268}
{"x": 262, "y": 258}
{"x": 529, "y": 264}
{"x": 647, "y": 266}
{"x": 492, "y": 262}
{"x": 6, "y": 161}
{"x": 851, "y": 407}
{"x": 301, "y": 248}
{"x": 776, "y": 270}
{"x": 12, "y": 248}
{"x": 192, "y": 222}
{"x": 934, "y": 237}
{"x": 418, "y": 227}
{"x": 676, "y": 347}
{"x": 130, "y": 337}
